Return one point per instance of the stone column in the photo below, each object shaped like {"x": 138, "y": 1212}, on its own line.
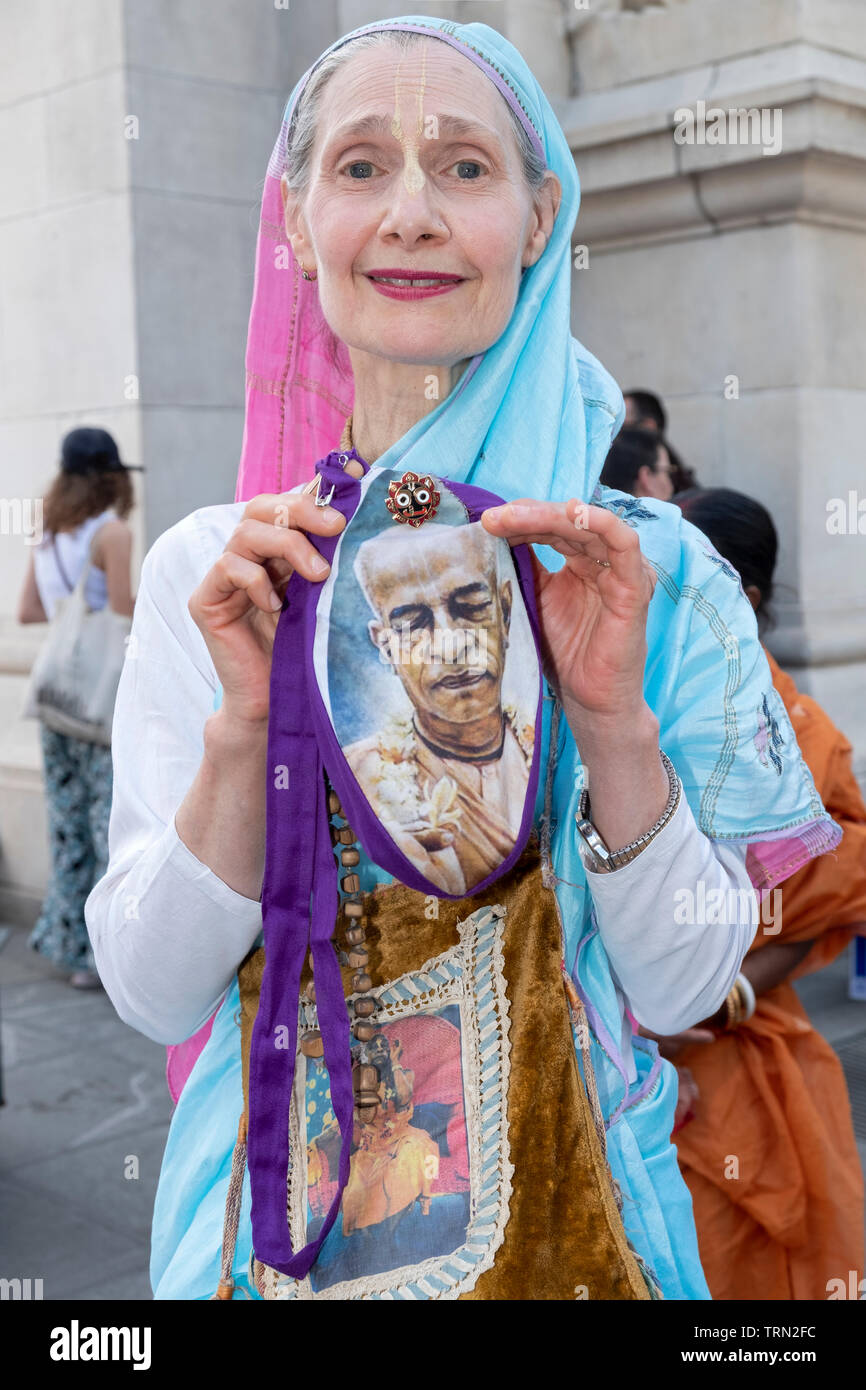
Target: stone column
{"x": 69, "y": 336}
{"x": 731, "y": 277}
{"x": 136, "y": 138}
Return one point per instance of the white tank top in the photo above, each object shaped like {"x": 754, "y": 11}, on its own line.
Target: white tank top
{"x": 74, "y": 548}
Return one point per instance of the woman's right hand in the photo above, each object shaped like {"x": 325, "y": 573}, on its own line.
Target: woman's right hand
{"x": 237, "y": 605}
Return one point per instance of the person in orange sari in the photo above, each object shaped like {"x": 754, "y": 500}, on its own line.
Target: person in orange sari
{"x": 766, "y": 1143}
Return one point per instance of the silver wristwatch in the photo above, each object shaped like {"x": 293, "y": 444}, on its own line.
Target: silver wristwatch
{"x": 603, "y": 860}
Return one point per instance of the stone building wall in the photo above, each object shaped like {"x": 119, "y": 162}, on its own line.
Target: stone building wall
{"x": 733, "y": 280}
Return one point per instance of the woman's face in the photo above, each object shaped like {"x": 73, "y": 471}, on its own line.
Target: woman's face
{"x": 417, "y": 195}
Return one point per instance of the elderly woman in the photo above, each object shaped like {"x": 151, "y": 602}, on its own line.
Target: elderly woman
{"x": 414, "y": 275}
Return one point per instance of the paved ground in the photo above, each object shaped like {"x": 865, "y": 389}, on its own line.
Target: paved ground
{"x": 85, "y": 1095}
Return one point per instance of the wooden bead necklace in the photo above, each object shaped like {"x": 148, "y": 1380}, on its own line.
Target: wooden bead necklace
{"x": 365, "y": 1076}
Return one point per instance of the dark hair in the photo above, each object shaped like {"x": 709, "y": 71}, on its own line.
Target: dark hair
{"x": 74, "y": 497}
{"x": 742, "y": 531}
{"x": 627, "y": 455}
{"x": 682, "y": 476}
{"x": 649, "y": 408}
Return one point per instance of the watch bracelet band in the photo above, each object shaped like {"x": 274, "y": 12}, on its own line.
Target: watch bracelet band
{"x": 608, "y": 860}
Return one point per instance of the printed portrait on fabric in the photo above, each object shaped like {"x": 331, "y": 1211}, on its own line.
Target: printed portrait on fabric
{"x": 430, "y": 1176}
{"x": 407, "y": 1199}
{"x": 431, "y": 677}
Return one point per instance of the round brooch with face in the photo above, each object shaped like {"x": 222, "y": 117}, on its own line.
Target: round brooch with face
{"x": 412, "y": 499}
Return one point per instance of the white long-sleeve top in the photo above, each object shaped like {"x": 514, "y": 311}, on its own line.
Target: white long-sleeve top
{"x": 168, "y": 933}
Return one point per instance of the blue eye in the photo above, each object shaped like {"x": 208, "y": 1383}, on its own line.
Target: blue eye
{"x": 463, "y": 163}
{"x": 349, "y": 169}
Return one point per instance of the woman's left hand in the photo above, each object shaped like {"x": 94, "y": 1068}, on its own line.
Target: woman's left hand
{"x": 592, "y": 612}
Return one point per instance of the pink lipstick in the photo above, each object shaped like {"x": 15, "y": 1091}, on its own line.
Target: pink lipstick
{"x": 398, "y": 283}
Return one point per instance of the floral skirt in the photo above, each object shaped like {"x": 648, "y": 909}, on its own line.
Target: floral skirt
{"x": 78, "y": 783}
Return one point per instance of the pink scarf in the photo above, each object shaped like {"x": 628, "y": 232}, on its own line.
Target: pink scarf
{"x": 296, "y": 401}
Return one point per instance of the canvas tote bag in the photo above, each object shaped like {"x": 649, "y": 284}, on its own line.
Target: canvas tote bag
{"x": 73, "y": 683}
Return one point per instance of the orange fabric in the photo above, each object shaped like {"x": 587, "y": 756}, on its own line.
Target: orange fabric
{"x": 770, "y": 1156}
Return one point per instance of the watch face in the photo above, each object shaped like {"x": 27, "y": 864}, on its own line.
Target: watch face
{"x": 589, "y": 861}
{"x": 593, "y": 850}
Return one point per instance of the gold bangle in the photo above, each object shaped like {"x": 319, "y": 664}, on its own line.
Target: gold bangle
{"x": 736, "y": 1006}
{"x": 729, "y": 1010}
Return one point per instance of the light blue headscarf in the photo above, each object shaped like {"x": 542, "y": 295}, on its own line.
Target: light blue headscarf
{"x": 534, "y": 416}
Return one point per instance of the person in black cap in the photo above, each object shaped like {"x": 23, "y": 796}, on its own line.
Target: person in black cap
{"x": 84, "y": 521}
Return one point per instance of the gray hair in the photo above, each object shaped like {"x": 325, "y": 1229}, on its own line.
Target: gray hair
{"x": 302, "y": 133}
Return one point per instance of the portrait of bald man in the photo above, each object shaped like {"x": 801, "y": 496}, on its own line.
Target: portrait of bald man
{"x": 449, "y": 781}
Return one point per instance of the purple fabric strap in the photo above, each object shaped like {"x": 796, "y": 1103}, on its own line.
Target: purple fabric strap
{"x": 299, "y": 909}
{"x": 299, "y": 893}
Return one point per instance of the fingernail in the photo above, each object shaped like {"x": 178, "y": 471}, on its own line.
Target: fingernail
{"x": 320, "y": 565}
{"x": 276, "y": 602}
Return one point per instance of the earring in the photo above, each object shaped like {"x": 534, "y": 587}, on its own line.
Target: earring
{"x": 307, "y": 275}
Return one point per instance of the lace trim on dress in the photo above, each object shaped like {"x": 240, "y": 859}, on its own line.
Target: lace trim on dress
{"x": 470, "y": 975}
